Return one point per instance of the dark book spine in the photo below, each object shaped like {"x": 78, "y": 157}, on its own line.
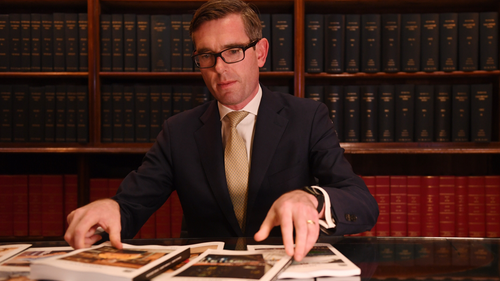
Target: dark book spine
{"x": 15, "y": 42}
{"x": 176, "y": 99}
{"x": 83, "y": 46}
{"x": 442, "y": 113}
{"x": 386, "y": 113}
{"x": 391, "y": 42}
{"x": 265, "y": 21}
{"x": 187, "y": 44}
{"x": 410, "y": 42}
{"x": 118, "y": 121}
{"x": 351, "y": 114}
{"x": 6, "y": 112}
{"x": 71, "y": 41}
{"x": 201, "y": 95}
{"x": 106, "y": 113}
{"x": 315, "y": 92}
{"x": 117, "y": 42}
{"x": 36, "y": 47}
{"x": 468, "y": 41}
{"x": 36, "y": 116}
{"x": 334, "y": 100}
{"x": 4, "y": 43}
{"x": 460, "y": 109}
{"x": 50, "y": 114}
{"x": 47, "y": 43}
{"x": 481, "y": 112}
{"x": 370, "y": 42}
{"x": 352, "y": 42}
{"x": 448, "y": 41}
{"x": 106, "y": 44}
{"x": 369, "y": 99}
{"x": 20, "y": 108}
{"x": 142, "y": 113}
{"x": 25, "y": 42}
{"x": 61, "y": 91}
{"x": 424, "y": 113}
{"x": 187, "y": 97}
{"x": 314, "y": 44}
{"x": 282, "y": 42}
{"x": 404, "y": 112}
{"x": 430, "y": 42}
{"x": 59, "y": 40}
{"x": 82, "y": 114}
{"x": 160, "y": 51}
{"x": 143, "y": 43}
{"x": 166, "y": 102}
{"x": 334, "y": 43}
{"x": 130, "y": 42}
{"x": 488, "y": 40}
{"x": 128, "y": 114}
{"x": 71, "y": 113}
{"x": 176, "y": 32}
{"x": 154, "y": 112}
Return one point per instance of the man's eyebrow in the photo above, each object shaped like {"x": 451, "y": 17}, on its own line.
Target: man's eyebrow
{"x": 228, "y": 46}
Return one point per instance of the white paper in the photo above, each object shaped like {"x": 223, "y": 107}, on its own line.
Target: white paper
{"x": 7, "y": 251}
{"x": 21, "y": 262}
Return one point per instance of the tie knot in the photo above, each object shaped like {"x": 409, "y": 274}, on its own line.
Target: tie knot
{"x": 235, "y": 117}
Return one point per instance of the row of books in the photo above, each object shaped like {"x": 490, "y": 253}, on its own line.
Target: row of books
{"x": 162, "y": 43}
{"x": 52, "y": 113}
{"x": 135, "y": 113}
{"x": 37, "y": 206}
{"x": 44, "y": 42}
{"x": 408, "y": 112}
{"x": 412, "y": 42}
{"x": 436, "y": 206}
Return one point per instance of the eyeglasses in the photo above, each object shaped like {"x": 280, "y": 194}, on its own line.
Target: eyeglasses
{"x": 230, "y": 55}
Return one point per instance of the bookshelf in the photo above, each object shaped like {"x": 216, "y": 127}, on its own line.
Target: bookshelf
{"x": 418, "y": 158}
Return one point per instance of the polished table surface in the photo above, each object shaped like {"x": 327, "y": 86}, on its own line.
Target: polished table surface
{"x": 387, "y": 258}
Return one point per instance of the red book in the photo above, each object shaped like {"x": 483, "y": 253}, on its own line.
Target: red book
{"x": 370, "y": 183}
{"x": 414, "y": 206}
{"x": 6, "y": 206}
{"x": 176, "y": 215}
{"x": 382, "y": 192}
{"x": 398, "y": 210}
{"x": 52, "y": 203}
{"x": 430, "y": 206}
{"x": 70, "y": 196}
{"x": 148, "y": 230}
{"x": 163, "y": 220}
{"x": 113, "y": 185}
{"x": 461, "y": 207}
{"x": 98, "y": 189}
{"x": 35, "y": 205}
{"x": 20, "y": 200}
{"x": 447, "y": 206}
{"x": 492, "y": 189}
{"x": 477, "y": 207}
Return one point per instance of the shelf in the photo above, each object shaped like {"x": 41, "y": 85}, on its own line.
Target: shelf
{"x": 406, "y": 75}
{"x": 44, "y": 74}
{"x": 350, "y": 148}
{"x": 176, "y": 75}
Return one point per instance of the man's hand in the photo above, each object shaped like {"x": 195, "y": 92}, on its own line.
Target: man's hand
{"x": 295, "y": 209}
{"x": 83, "y": 223}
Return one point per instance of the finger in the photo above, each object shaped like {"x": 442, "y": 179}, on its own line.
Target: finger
{"x": 301, "y": 232}
{"x": 89, "y": 241}
{"x": 114, "y": 237}
{"x": 287, "y": 233}
{"x": 69, "y": 218}
{"x": 266, "y": 227}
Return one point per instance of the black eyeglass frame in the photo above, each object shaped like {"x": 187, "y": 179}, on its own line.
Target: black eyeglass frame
{"x": 219, "y": 54}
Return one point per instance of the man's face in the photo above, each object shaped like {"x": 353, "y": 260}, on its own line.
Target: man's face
{"x": 233, "y": 85}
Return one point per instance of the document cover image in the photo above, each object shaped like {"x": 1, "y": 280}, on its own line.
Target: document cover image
{"x": 22, "y": 261}
{"x": 7, "y": 251}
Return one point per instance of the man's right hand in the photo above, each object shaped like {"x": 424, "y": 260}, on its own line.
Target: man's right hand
{"x": 83, "y": 223}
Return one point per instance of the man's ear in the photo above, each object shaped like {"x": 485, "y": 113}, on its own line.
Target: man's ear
{"x": 262, "y": 48}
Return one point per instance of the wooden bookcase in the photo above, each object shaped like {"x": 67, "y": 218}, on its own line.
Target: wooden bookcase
{"x": 97, "y": 159}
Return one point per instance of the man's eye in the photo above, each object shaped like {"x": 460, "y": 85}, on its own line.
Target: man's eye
{"x": 205, "y": 56}
{"x": 234, "y": 51}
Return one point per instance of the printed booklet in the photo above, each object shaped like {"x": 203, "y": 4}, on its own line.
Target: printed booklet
{"x": 22, "y": 261}
{"x": 105, "y": 262}
{"x": 7, "y": 251}
{"x": 323, "y": 260}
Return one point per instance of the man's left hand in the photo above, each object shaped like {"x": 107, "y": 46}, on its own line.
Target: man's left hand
{"x": 295, "y": 209}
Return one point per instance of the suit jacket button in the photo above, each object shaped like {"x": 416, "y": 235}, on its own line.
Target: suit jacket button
{"x": 350, "y": 217}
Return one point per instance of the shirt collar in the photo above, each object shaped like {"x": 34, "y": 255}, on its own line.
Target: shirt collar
{"x": 252, "y": 106}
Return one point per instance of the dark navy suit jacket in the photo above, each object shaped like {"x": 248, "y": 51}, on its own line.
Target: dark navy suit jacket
{"x": 294, "y": 145}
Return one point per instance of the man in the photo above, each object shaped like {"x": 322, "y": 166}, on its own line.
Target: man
{"x": 290, "y": 143}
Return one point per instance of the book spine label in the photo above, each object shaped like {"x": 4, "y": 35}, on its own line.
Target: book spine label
{"x": 391, "y": 42}
{"x": 492, "y": 192}
{"x": 20, "y": 107}
{"x": 488, "y": 40}
{"x": 352, "y": 42}
{"x": 155, "y": 112}
{"x": 382, "y": 195}
{"x": 477, "y": 206}
{"x": 481, "y": 112}
{"x": 314, "y": 44}
{"x": 60, "y": 111}
{"x": 176, "y": 33}
{"x": 71, "y": 113}
{"x": 424, "y": 113}
{"x": 448, "y": 41}
{"x": 47, "y": 43}
{"x": 118, "y": 128}
{"x": 25, "y": 42}
{"x": 460, "y": 109}
{"x": 71, "y": 42}
{"x": 442, "y": 113}
{"x": 334, "y": 43}
{"x": 15, "y": 42}
{"x": 447, "y": 206}
{"x": 461, "y": 206}
{"x": 35, "y": 45}
{"x": 128, "y": 114}
{"x": 265, "y": 21}
{"x": 352, "y": 114}
{"x": 106, "y": 113}
{"x": 370, "y": 42}
{"x": 82, "y": 114}
{"x": 430, "y": 206}
{"x": 468, "y": 41}
{"x": 410, "y": 42}
{"x": 36, "y": 114}
{"x": 160, "y": 51}
{"x": 386, "y": 113}
{"x": 414, "y": 207}
{"x": 282, "y": 42}
{"x": 187, "y": 44}
{"x": 50, "y": 114}
{"x": 430, "y": 42}
{"x": 130, "y": 42}
{"x": 142, "y": 112}
{"x": 334, "y": 100}
{"x": 106, "y": 44}
{"x": 4, "y": 43}
{"x": 83, "y": 45}
{"x": 404, "y": 112}
{"x": 6, "y": 113}
{"x": 398, "y": 209}
{"x": 369, "y": 99}
{"x": 143, "y": 43}
{"x": 117, "y": 42}
{"x": 59, "y": 42}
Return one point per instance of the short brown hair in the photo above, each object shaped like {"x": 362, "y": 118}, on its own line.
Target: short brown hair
{"x": 218, "y": 9}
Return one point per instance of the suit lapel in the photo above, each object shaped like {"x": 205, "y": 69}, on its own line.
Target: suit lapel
{"x": 269, "y": 128}
{"x": 209, "y": 142}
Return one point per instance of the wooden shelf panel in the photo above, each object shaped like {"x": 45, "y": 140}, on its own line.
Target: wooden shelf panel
{"x": 44, "y": 74}
{"x": 350, "y": 148}
{"x": 177, "y": 75}
{"x": 407, "y": 75}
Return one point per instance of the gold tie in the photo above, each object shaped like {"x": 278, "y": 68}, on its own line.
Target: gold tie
{"x": 236, "y": 164}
